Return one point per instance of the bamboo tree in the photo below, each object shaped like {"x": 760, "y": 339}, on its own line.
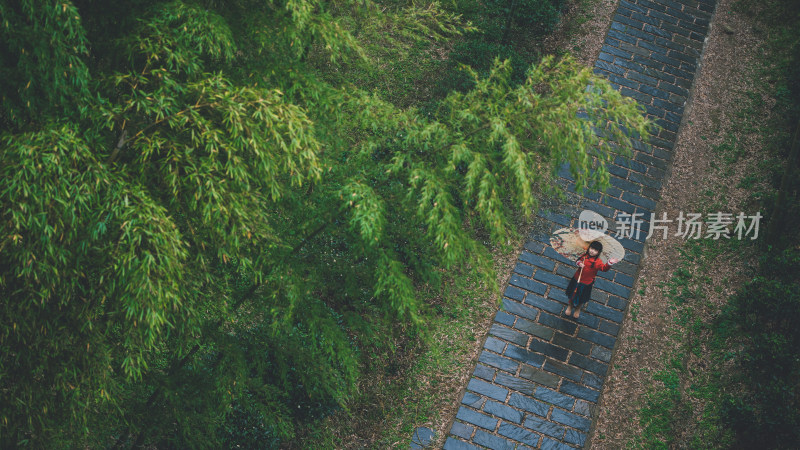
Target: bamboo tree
{"x": 204, "y": 230}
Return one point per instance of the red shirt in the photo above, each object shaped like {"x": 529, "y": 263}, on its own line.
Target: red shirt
{"x": 590, "y": 268}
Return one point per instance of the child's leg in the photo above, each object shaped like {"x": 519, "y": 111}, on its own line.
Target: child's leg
{"x": 569, "y": 307}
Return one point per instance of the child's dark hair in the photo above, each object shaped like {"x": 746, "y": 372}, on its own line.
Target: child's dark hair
{"x": 597, "y": 245}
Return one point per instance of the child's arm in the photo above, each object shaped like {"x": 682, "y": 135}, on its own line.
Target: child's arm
{"x": 606, "y": 266}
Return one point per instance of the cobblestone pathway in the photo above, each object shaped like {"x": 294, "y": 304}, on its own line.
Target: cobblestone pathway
{"x": 540, "y": 375}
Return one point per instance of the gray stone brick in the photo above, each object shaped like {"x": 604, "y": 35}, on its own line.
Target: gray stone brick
{"x": 592, "y": 381}
{"x": 504, "y": 318}
{"x": 476, "y": 418}
{"x": 655, "y": 92}
{"x": 638, "y": 200}
{"x": 633, "y": 244}
{"x": 514, "y": 383}
{"x": 665, "y": 154}
{"x": 633, "y": 7}
{"x": 617, "y": 302}
{"x": 491, "y": 441}
{"x": 609, "y": 328}
{"x": 645, "y": 19}
{"x": 487, "y": 389}
{"x": 581, "y": 392}
{"x": 549, "y": 350}
{"x": 633, "y": 165}
{"x": 484, "y": 372}
{"x": 545, "y": 427}
{"x": 571, "y": 420}
{"x": 696, "y": 28}
{"x": 565, "y": 326}
{"x": 675, "y": 29}
{"x": 634, "y": 49}
{"x": 522, "y": 355}
{"x": 588, "y": 364}
{"x": 493, "y": 344}
{"x": 619, "y": 205}
{"x": 655, "y": 172}
{"x": 519, "y": 434}
{"x": 550, "y": 396}
{"x": 668, "y": 106}
{"x": 623, "y": 81}
{"x": 516, "y": 294}
{"x": 617, "y": 170}
{"x": 678, "y": 72}
{"x": 565, "y": 370}
{"x": 603, "y": 210}
{"x": 534, "y": 329}
{"x": 455, "y": 444}
{"x": 527, "y": 284}
{"x": 619, "y": 27}
{"x": 508, "y": 335}
{"x": 625, "y": 267}
{"x": 498, "y": 361}
{"x": 656, "y": 31}
{"x": 502, "y": 411}
{"x": 571, "y": 343}
{"x": 560, "y": 219}
{"x": 613, "y": 288}
{"x": 461, "y": 430}
{"x": 534, "y": 247}
{"x": 583, "y": 408}
{"x": 536, "y": 260}
{"x": 673, "y": 45}
{"x": 641, "y": 78}
{"x": 575, "y": 437}
{"x": 601, "y": 353}
{"x": 518, "y": 309}
{"x": 539, "y": 376}
{"x": 529, "y": 404}
{"x": 616, "y": 52}
{"x": 623, "y": 279}
{"x": 565, "y": 271}
{"x": 620, "y": 36}
{"x": 625, "y": 184}
{"x": 635, "y": 24}
{"x": 645, "y": 180}
{"x": 604, "y": 311}
{"x": 473, "y": 400}
{"x": 551, "y": 279}
{"x": 550, "y": 444}
{"x": 547, "y": 305}
{"x": 665, "y": 17}
{"x": 650, "y": 5}
{"x": 523, "y": 269}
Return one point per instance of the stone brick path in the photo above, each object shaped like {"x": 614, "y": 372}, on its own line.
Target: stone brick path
{"x": 540, "y": 375}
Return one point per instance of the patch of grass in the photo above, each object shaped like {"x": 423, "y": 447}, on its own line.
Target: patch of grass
{"x": 667, "y": 411}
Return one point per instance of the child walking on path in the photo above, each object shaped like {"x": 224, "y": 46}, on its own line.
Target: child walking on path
{"x": 579, "y": 289}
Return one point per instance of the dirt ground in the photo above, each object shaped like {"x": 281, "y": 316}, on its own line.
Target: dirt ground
{"x": 731, "y": 48}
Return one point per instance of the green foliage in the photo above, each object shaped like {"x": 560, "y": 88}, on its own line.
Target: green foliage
{"x": 42, "y": 61}
{"x": 204, "y": 235}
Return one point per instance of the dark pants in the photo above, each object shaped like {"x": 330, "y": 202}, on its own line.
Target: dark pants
{"x": 584, "y": 291}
